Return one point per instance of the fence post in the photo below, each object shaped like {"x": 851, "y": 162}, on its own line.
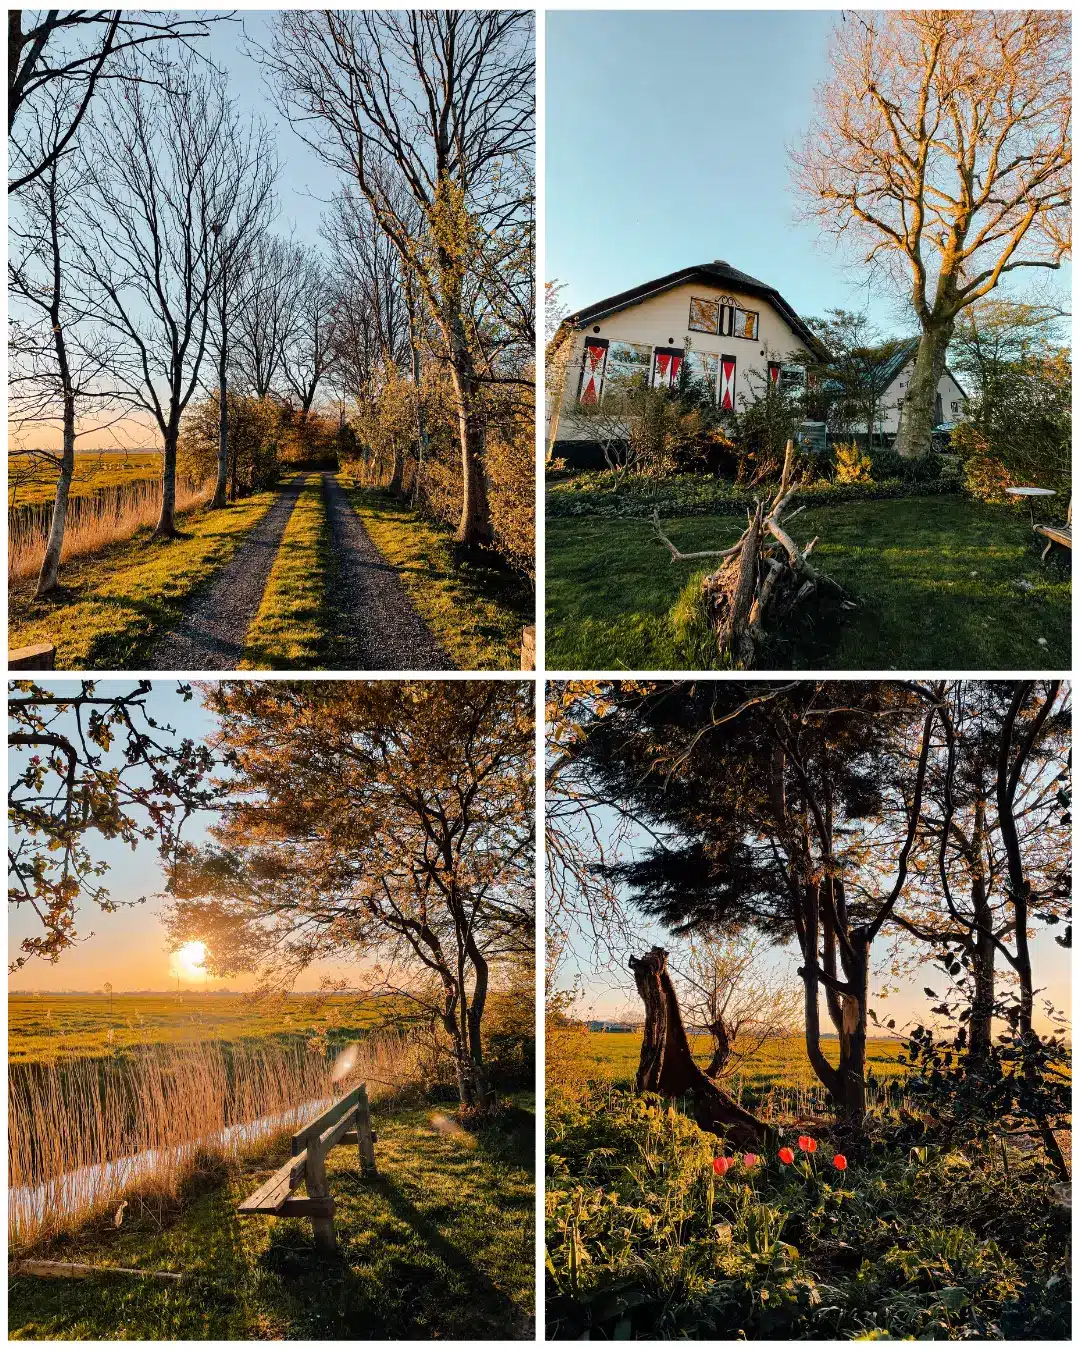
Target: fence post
{"x": 317, "y": 1189}
{"x": 364, "y": 1141}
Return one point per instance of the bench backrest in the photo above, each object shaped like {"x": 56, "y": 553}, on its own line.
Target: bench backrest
{"x": 326, "y": 1121}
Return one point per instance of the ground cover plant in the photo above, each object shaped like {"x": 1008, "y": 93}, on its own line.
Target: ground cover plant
{"x": 960, "y": 579}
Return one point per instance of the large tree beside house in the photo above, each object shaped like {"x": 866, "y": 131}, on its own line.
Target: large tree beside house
{"x": 941, "y": 148}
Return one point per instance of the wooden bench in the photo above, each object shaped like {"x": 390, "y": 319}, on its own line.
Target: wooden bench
{"x": 348, "y": 1121}
{"x": 1055, "y": 534}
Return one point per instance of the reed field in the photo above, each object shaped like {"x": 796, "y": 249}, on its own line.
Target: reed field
{"x": 96, "y": 520}
{"x": 32, "y": 481}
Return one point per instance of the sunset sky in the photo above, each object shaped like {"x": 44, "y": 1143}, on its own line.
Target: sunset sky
{"x": 128, "y": 948}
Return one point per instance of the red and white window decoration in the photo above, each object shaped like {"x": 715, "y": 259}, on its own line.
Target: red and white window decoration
{"x": 774, "y": 374}
{"x": 666, "y": 365}
{"x": 592, "y": 370}
{"x": 727, "y": 383}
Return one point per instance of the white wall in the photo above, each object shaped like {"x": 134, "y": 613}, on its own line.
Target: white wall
{"x": 950, "y": 391}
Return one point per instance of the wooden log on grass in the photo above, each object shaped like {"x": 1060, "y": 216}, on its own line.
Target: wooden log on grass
{"x": 75, "y": 1270}
{"x": 41, "y": 656}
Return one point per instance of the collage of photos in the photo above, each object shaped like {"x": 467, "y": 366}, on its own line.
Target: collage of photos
{"x": 539, "y": 675}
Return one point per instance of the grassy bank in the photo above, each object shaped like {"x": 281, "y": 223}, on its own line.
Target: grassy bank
{"x": 475, "y": 608}
{"x": 31, "y": 480}
{"x": 440, "y": 1244}
{"x": 290, "y": 631}
{"x": 113, "y": 606}
{"x": 937, "y": 580}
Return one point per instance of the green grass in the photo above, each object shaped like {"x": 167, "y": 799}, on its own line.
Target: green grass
{"x": 439, "y": 1245}
{"x": 44, "y": 1027}
{"x": 113, "y": 606}
{"x": 782, "y": 1062}
{"x": 31, "y": 482}
{"x": 476, "y": 609}
{"x": 936, "y": 580}
{"x": 291, "y": 629}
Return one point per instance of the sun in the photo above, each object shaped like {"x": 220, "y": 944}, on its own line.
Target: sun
{"x": 188, "y": 960}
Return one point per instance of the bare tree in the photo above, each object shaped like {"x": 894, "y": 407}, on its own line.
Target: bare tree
{"x": 307, "y": 349}
{"x": 942, "y": 146}
{"x": 169, "y": 170}
{"x": 59, "y": 56}
{"x": 265, "y": 312}
{"x": 57, "y": 359}
{"x": 441, "y": 101}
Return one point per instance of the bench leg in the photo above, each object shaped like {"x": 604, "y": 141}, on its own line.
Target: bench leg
{"x": 317, "y": 1188}
{"x": 364, "y": 1140}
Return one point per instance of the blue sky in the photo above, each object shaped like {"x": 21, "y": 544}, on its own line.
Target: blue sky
{"x": 666, "y": 146}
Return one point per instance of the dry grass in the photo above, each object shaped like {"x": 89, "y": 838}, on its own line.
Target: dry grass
{"x": 84, "y": 1135}
{"x": 108, "y": 518}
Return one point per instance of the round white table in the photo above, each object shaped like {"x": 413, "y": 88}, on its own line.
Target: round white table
{"x": 1031, "y": 494}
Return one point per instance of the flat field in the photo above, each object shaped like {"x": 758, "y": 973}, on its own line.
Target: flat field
{"x": 32, "y": 481}
{"x": 44, "y": 1027}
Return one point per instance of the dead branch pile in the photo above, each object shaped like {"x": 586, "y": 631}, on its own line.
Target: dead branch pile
{"x": 764, "y": 581}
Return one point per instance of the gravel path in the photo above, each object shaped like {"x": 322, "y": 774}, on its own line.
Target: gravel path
{"x": 211, "y": 634}
{"x": 378, "y": 626}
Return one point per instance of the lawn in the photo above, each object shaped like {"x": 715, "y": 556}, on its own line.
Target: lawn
{"x": 475, "y": 608}
{"x": 439, "y": 1245}
{"x": 114, "y": 605}
{"x": 34, "y": 481}
{"x": 937, "y": 580}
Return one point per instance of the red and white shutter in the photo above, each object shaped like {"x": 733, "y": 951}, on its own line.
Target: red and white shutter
{"x": 727, "y": 383}
{"x": 774, "y": 374}
{"x": 666, "y": 363}
{"x": 592, "y": 370}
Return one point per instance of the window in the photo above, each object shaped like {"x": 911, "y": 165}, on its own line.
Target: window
{"x": 704, "y": 315}
{"x": 745, "y": 324}
{"x": 703, "y": 368}
{"x": 791, "y": 378}
{"x": 628, "y": 363}
{"x": 666, "y": 365}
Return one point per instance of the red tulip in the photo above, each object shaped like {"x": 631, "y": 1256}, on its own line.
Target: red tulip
{"x": 840, "y": 1162}
{"x": 807, "y": 1144}
{"x": 721, "y": 1165}
{"x": 786, "y": 1155}
{"x": 750, "y": 1159}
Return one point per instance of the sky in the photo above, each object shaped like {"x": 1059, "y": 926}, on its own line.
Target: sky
{"x": 128, "y": 948}
{"x": 666, "y": 146}
{"x": 304, "y": 189}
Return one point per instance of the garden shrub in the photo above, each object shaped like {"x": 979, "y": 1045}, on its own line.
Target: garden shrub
{"x": 852, "y": 464}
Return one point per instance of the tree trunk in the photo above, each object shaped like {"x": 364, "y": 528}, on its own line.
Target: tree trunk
{"x": 166, "y": 526}
{"x": 49, "y": 574}
{"x": 917, "y": 413}
{"x": 851, "y": 1072}
{"x": 474, "y": 524}
{"x": 983, "y": 952}
{"x": 722, "y": 1049}
{"x": 223, "y": 410}
{"x": 667, "y": 1065}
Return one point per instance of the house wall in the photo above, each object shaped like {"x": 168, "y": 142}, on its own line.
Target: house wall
{"x": 664, "y": 321}
{"x": 950, "y": 391}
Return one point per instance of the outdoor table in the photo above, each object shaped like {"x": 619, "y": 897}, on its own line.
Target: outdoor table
{"x": 1031, "y": 494}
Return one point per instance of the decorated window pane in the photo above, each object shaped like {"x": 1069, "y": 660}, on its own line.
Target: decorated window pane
{"x": 792, "y": 377}
{"x": 704, "y": 315}
{"x": 746, "y": 324}
{"x": 628, "y": 364}
{"x": 703, "y": 368}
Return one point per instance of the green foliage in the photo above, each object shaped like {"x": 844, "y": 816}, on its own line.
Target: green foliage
{"x": 646, "y": 1240}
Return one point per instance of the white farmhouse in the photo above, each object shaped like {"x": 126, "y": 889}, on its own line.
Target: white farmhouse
{"x": 891, "y": 381}
{"x": 737, "y": 333}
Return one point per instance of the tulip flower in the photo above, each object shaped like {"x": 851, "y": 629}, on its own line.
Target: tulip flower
{"x": 840, "y": 1162}
{"x": 786, "y": 1155}
{"x": 807, "y": 1144}
{"x": 721, "y": 1165}
{"x": 750, "y": 1159}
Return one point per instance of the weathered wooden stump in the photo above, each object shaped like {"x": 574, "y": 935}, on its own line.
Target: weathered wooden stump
{"x": 41, "y": 656}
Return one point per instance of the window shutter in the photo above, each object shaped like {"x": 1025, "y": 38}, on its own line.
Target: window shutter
{"x": 666, "y": 363}
{"x": 592, "y": 370}
{"x": 727, "y": 382}
{"x": 774, "y": 374}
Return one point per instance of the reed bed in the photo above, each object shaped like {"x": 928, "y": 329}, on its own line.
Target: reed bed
{"x": 83, "y": 1135}
{"x": 94, "y": 522}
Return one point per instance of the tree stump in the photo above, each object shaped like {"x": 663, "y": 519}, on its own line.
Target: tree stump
{"x": 667, "y": 1065}
{"x": 764, "y": 583}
